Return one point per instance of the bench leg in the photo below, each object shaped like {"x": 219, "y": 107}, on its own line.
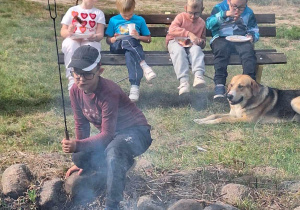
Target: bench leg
{"x": 259, "y": 69}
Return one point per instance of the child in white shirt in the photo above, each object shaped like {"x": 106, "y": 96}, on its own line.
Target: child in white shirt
{"x": 82, "y": 25}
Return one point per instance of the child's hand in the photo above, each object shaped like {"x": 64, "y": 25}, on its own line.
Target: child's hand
{"x": 232, "y": 13}
{"x": 68, "y": 146}
{"x": 95, "y": 38}
{"x": 134, "y": 33}
{"x": 72, "y": 170}
{"x": 71, "y": 29}
{"x": 114, "y": 38}
{"x": 201, "y": 42}
{"x": 193, "y": 38}
{"x": 250, "y": 36}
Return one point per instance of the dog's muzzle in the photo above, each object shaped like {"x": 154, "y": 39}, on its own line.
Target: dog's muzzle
{"x": 230, "y": 99}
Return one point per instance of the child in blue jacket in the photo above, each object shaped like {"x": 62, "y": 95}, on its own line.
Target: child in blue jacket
{"x": 232, "y": 17}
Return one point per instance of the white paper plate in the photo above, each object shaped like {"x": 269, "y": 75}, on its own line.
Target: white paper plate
{"x": 237, "y": 38}
{"x": 181, "y": 41}
{"x": 80, "y": 36}
{"x": 123, "y": 36}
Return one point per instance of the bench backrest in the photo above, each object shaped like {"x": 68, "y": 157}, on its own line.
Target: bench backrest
{"x": 158, "y": 24}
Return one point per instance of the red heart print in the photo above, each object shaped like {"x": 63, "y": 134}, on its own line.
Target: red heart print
{"x": 92, "y": 15}
{"x": 74, "y": 13}
{"x": 84, "y": 23}
{"x": 74, "y": 21}
{"x": 92, "y": 23}
{"x": 84, "y": 15}
{"x": 82, "y": 29}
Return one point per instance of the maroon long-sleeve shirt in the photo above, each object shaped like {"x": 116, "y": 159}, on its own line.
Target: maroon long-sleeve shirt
{"x": 109, "y": 109}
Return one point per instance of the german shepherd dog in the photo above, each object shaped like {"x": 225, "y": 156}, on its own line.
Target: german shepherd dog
{"x": 253, "y": 102}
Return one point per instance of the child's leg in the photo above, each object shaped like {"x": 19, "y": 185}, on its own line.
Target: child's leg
{"x": 180, "y": 61}
{"x": 135, "y": 48}
{"x": 247, "y": 55}
{"x": 135, "y": 74}
{"x": 68, "y": 47}
{"x": 221, "y": 50}
{"x": 117, "y": 48}
{"x": 89, "y": 160}
{"x": 196, "y": 58}
{"x": 119, "y": 156}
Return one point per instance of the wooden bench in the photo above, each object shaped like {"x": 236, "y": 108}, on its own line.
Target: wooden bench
{"x": 158, "y": 25}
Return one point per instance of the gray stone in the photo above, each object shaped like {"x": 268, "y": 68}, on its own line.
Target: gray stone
{"x": 143, "y": 164}
{"x": 52, "y": 195}
{"x": 16, "y": 180}
{"x": 85, "y": 187}
{"x": 147, "y": 203}
{"x": 234, "y": 193}
{"x": 189, "y": 204}
{"x": 220, "y": 206}
{"x": 291, "y": 186}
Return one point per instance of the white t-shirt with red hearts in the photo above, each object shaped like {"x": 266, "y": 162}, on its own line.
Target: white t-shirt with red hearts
{"x": 89, "y": 18}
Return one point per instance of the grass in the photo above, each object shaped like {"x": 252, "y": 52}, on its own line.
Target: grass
{"x": 31, "y": 117}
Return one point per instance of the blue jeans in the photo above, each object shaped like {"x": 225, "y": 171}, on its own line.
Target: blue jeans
{"x": 134, "y": 54}
{"x": 222, "y": 49}
{"x": 116, "y": 159}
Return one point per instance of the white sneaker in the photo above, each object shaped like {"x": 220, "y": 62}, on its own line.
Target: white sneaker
{"x": 184, "y": 88}
{"x": 199, "y": 82}
{"x": 149, "y": 73}
{"x": 134, "y": 93}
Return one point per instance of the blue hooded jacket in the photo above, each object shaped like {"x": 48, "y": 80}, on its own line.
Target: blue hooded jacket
{"x": 222, "y": 26}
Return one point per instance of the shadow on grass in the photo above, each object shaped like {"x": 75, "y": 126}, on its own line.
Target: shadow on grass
{"x": 19, "y": 106}
{"x": 197, "y": 100}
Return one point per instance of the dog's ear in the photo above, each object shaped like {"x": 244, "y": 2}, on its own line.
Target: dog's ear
{"x": 255, "y": 87}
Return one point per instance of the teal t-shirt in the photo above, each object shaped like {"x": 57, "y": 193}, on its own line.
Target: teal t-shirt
{"x": 117, "y": 24}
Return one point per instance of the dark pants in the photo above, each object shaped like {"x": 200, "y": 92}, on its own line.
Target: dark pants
{"x": 222, "y": 49}
{"x": 134, "y": 54}
{"x": 116, "y": 158}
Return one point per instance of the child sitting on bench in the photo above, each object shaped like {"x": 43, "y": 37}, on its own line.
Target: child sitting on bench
{"x": 121, "y": 43}
{"x": 82, "y": 25}
{"x": 185, "y": 41}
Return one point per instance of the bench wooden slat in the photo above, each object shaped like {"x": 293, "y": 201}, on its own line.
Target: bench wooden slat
{"x": 265, "y": 31}
{"x": 107, "y": 56}
{"x": 167, "y": 19}
{"x": 164, "y": 59}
